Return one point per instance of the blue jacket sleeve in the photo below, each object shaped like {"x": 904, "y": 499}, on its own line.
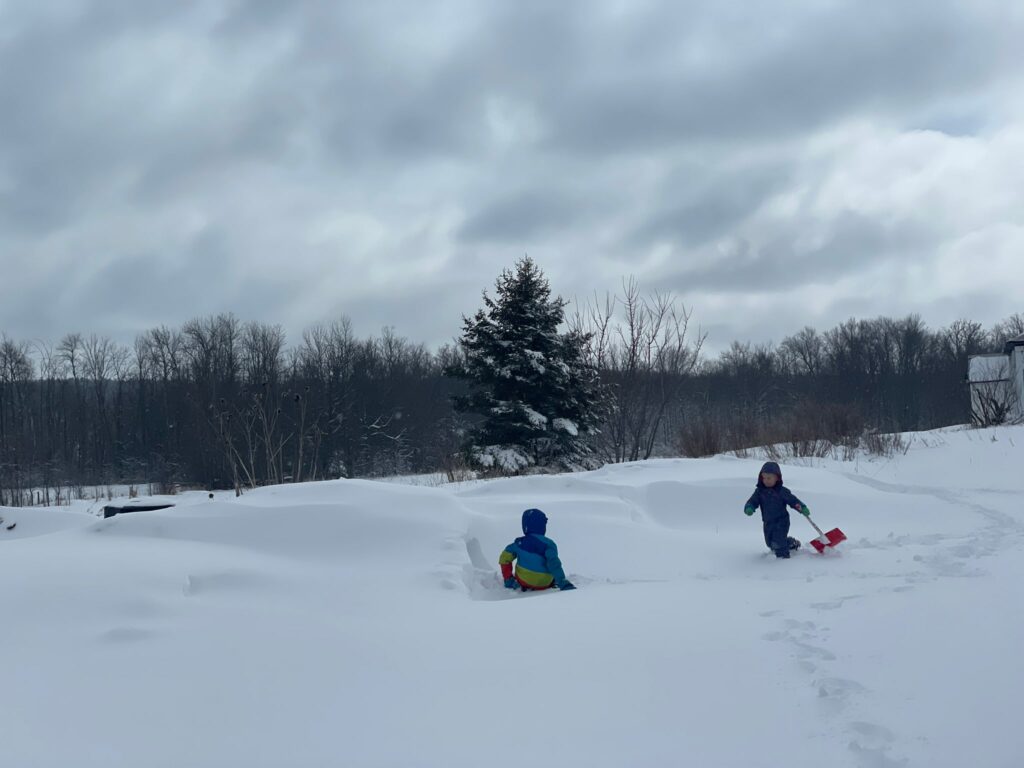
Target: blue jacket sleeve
{"x": 554, "y": 564}
{"x": 792, "y": 500}
{"x": 754, "y": 501}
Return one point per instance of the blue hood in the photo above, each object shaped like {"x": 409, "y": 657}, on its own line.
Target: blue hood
{"x": 535, "y": 521}
{"x": 773, "y": 468}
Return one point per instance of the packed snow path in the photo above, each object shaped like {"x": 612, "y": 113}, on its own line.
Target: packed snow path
{"x": 353, "y": 623}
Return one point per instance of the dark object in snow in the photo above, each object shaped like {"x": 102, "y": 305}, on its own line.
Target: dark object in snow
{"x": 119, "y": 509}
{"x": 11, "y": 526}
{"x": 774, "y": 501}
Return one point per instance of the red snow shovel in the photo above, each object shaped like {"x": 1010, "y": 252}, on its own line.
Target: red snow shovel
{"x": 829, "y": 539}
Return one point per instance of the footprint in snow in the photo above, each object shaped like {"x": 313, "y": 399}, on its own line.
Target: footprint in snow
{"x": 871, "y": 744}
{"x": 832, "y": 605}
{"x": 794, "y": 624}
{"x": 807, "y": 651}
{"x": 120, "y": 635}
{"x": 872, "y": 735}
{"x": 835, "y": 693}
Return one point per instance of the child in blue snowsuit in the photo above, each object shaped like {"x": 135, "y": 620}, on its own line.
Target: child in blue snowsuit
{"x": 773, "y": 498}
{"x": 536, "y": 558}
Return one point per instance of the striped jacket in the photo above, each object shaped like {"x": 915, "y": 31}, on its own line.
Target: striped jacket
{"x": 537, "y": 564}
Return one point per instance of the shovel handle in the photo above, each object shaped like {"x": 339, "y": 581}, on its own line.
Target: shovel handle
{"x": 820, "y": 532}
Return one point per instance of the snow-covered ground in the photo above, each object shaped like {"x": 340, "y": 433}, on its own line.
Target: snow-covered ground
{"x": 353, "y": 623}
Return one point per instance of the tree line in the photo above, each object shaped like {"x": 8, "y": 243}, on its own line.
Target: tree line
{"x": 875, "y": 375}
{"x": 217, "y": 403}
{"x": 222, "y": 403}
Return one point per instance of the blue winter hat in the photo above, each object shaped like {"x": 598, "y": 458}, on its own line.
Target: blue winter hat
{"x": 535, "y": 521}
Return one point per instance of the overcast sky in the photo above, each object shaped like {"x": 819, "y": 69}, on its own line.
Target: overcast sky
{"x": 775, "y": 165}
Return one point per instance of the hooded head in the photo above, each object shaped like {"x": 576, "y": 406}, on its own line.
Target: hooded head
{"x": 769, "y": 467}
{"x": 535, "y": 521}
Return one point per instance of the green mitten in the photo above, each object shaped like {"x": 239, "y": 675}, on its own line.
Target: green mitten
{"x": 748, "y": 511}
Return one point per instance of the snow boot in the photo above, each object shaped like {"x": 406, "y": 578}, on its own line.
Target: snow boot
{"x": 782, "y": 554}
{"x": 794, "y": 544}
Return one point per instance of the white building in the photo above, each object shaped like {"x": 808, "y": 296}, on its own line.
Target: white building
{"x": 997, "y": 384}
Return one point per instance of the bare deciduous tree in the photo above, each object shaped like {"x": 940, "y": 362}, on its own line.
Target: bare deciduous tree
{"x": 994, "y": 400}
{"x": 643, "y": 353}
{"x": 1009, "y": 328}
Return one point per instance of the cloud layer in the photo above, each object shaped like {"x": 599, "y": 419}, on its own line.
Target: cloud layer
{"x": 775, "y": 166}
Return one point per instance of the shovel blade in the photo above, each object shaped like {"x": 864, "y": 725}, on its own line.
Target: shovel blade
{"x": 830, "y": 539}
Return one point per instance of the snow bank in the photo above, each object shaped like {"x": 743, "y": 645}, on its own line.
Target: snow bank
{"x": 359, "y": 623}
{"x": 40, "y": 521}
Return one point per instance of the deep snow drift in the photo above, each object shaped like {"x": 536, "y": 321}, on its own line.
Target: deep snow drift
{"x": 353, "y": 623}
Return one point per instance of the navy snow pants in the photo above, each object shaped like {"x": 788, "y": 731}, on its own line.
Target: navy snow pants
{"x": 776, "y": 535}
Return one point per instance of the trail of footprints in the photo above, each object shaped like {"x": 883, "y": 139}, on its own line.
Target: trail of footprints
{"x": 870, "y": 744}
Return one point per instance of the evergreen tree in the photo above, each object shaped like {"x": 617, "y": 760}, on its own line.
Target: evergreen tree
{"x": 536, "y": 397}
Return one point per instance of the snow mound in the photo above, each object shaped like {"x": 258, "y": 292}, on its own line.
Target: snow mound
{"x": 29, "y": 522}
{"x": 363, "y": 623}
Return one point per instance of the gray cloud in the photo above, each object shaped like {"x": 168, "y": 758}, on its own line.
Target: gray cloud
{"x": 522, "y": 217}
{"x": 293, "y": 162}
{"x": 853, "y": 243}
{"x": 707, "y": 203}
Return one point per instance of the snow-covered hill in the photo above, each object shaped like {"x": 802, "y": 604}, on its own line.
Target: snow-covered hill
{"x": 353, "y": 623}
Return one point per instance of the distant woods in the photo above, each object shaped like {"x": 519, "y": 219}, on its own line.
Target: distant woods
{"x": 838, "y": 387}
{"x": 217, "y": 403}
{"x": 222, "y": 403}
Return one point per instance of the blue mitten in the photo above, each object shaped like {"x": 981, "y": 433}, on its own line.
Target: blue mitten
{"x": 511, "y": 583}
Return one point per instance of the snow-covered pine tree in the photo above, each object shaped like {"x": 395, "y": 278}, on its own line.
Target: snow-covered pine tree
{"x": 536, "y": 397}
